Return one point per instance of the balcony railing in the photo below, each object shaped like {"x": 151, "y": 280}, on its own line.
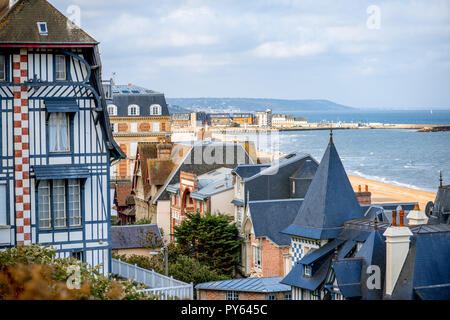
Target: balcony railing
{"x": 156, "y": 283}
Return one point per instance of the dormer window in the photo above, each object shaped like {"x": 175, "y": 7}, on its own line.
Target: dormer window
{"x": 308, "y": 271}
{"x": 133, "y": 110}
{"x": 112, "y": 110}
{"x": 42, "y": 27}
{"x": 155, "y": 110}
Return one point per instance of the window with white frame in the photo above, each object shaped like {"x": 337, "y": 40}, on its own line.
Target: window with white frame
{"x": 287, "y": 296}
{"x": 155, "y": 126}
{"x": 42, "y": 28}
{"x": 58, "y": 132}
{"x": 232, "y": 295}
{"x": 133, "y": 110}
{"x": 3, "y": 219}
{"x": 155, "y": 110}
{"x": 307, "y": 271}
{"x": 112, "y": 110}
{"x": 60, "y": 67}
{"x": 257, "y": 256}
{"x": 271, "y": 296}
{"x": 59, "y": 203}
{"x": 77, "y": 255}
{"x": 2, "y": 67}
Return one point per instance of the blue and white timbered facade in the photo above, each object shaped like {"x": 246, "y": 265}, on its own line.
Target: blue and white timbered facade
{"x": 56, "y": 150}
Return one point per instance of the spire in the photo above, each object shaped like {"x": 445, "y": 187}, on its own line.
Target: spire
{"x": 331, "y": 137}
{"x": 440, "y": 179}
{"x": 329, "y": 202}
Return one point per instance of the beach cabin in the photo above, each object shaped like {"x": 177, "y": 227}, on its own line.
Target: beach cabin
{"x": 56, "y": 146}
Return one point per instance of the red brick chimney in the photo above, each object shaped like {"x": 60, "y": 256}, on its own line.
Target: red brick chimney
{"x": 364, "y": 197}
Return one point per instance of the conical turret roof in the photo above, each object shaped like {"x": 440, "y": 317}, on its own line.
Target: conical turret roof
{"x": 329, "y": 202}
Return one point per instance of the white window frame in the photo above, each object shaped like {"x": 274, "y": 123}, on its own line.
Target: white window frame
{"x": 74, "y": 198}
{"x": 257, "y": 256}
{"x": 133, "y": 110}
{"x": 42, "y": 32}
{"x": 308, "y": 271}
{"x": 271, "y": 296}
{"x": 62, "y": 217}
{"x": 112, "y": 110}
{"x": 3, "y": 209}
{"x": 3, "y": 67}
{"x": 48, "y": 217}
{"x": 64, "y": 70}
{"x": 232, "y": 295}
{"x": 155, "y": 110}
{"x": 57, "y": 134}
{"x": 155, "y": 127}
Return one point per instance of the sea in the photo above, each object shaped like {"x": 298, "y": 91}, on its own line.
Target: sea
{"x": 400, "y": 157}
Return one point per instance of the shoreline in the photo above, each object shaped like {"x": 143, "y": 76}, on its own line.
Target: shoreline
{"x": 381, "y": 192}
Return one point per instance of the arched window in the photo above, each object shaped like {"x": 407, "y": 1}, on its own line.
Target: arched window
{"x": 155, "y": 110}
{"x": 133, "y": 110}
{"x": 112, "y": 110}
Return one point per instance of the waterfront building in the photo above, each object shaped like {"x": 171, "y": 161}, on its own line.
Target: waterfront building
{"x": 220, "y": 119}
{"x": 263, "y": 118}
{"x": 243, "y": 119}
{"x": 189, "y": 120}
{"x": 210, "y": 192}
{"x": 55, "y": 138}
{"x": 267, "y": 288}
{"x": 287, "y": 121}
{"x": 137, "y": 115}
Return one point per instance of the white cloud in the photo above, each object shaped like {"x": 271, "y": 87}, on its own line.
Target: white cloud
{"x": 280, "y": 49}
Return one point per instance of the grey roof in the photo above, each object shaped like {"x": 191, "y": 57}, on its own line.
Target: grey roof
{"x": 249, "y": 170}
{"x": 441, "y": 207}
{"x": 329, "y": 202}
{"x": 181, "y": 116}
{"x": 125, "y": 95}
{"x": 262, "y": 285}
{"x": 229, "y": 155}
{"x": 135, "y": 236}
{"x": 296, "y": 277}
{"x": 307, "y": 171}
{"x": 209, "y": 184}
{"x": 269, "y": 217}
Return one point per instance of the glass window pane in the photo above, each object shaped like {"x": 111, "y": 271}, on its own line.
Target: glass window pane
{"x": 74, "y": 203}
{"x": 44, "y": 204}
{"x": 60, "y": 67}
{"x": 2, "y": 67}
{"x": 59, "y": 203}
{"x": 58, "y": 130}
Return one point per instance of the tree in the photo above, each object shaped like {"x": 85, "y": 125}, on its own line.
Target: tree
{"x": 211, "y": 240}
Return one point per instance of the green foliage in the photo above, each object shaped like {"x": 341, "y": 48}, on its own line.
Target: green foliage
{"x": 143, "y": 221}
{"x": 25, "y": 268}
{"x": 181, "y": 267}
{"x": 114, "y": 221}
{"x": 235, "y": 125}
{"x": 211, "y": 240}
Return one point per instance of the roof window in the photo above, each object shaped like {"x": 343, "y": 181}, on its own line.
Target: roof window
{"x": 42, "y": 27}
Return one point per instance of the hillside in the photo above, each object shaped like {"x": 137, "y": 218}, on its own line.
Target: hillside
{"x": 254, "y": 104}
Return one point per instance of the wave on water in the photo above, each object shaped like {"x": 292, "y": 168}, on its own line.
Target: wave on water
{"x": 388, "y": 181}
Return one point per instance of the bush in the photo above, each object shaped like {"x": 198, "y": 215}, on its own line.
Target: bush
{"x": 33, "y": 272}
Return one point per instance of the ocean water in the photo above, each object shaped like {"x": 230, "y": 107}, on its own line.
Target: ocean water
{"x": 401, "y": 157}
{"x": 428, "y": 116}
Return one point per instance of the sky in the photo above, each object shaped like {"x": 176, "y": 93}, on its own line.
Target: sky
{"x": 364, "y": 54}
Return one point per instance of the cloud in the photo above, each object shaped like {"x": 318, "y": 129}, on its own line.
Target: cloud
{"x": 280, "y": 49}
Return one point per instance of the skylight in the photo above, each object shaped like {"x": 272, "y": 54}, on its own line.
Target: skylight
{"x": 42, "y": 27}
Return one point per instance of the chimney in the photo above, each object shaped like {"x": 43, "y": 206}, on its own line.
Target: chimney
{"x": 364, "y": 197}
{"x": 397, "y": 248}
{"x": 417, "y": 217}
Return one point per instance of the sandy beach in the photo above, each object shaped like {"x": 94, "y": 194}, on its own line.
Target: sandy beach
{"x": 383, "y": 192}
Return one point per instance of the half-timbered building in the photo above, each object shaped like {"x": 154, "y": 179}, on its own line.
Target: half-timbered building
{"x": 56, "y": 146}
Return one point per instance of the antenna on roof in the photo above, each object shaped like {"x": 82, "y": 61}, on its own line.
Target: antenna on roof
{"x": 331, "y": 137}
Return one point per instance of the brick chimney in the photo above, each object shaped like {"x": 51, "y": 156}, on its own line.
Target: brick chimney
{"x": 364, "y": 197}
{"x": 397, "y": 248}
{"x": 416, "y": 217}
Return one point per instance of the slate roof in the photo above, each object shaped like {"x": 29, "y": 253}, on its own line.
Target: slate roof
{"x": 262, "y": 285}
{"x": 329, "y": 202}
{"x": 192, "y": 161}
{"x": 441, "y": 207}
{"x": 296, "y": 277}
{"x": 307, "y": 171}
{"x": 125, "y": 95}
{"x": 269, "y": 217}
{"x": 249, "y": 170}
{"x": 19, "y": 25}
{"x": 135, "y": 236}
{"x": 123, "y": 190}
